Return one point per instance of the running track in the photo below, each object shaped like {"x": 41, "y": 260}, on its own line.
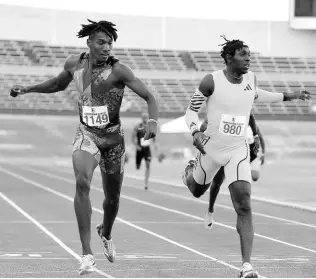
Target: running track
{"x": 158, "y": 233}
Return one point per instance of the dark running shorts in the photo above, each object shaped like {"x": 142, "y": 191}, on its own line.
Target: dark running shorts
{"x": 144, "y": 153}
{"x": 107, "y": 147}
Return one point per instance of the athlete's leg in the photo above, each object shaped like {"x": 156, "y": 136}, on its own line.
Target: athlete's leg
{"x": 147, "y": 157}
{"x": 112, "y": 184}
{"x": 112, "y": 171}
{"x": 199, "y": 173}
{"x": 240, "y": 192}
{"x": 84, "y": 164}
{"x": 85, "y": 159}
{"x": 138, "y": 158}
{"x": 147, "y": 173}
{"x": 237, "y": 174}
{"x": 214, "y": 189}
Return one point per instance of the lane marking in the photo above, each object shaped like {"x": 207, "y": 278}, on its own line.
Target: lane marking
{"x": 253, "y": 198}
{"x": 177, "y": 212}
{"x": 179, "y": 196}
{"x": 46, "y": 231}
{"x": 70, "y": 199}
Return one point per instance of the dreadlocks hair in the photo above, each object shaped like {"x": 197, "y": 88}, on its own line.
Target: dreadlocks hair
{"x": 230, "y": 47}
{"x": 104, "y": 26}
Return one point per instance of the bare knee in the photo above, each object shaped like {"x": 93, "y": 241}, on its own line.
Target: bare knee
{"x": 147, "y": 165}
{"x": 82, "y": 184}
{"x": 84, "y": 164}
{"x": 197, "y": 189}
{"x": 113, "y": 201}
{"x": 243, "y": 206}
{"x": 240, "y": 193}
{"x": 197, "y": 193}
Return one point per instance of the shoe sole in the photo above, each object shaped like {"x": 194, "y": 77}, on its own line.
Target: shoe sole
{"x": 109, "y": 259}
{"x": 209, "y": 226}
{"x": 84, "y": 272}
{"x": 87, "y": 271}
{"x": 251, "y": 275}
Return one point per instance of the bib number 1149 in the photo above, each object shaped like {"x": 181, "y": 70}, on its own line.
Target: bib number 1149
{"x": 95, "y": 116}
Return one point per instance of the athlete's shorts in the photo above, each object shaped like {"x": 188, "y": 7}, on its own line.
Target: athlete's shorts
{"x": 145, "y": 154}
{"x": 235, "y": 162}
{"x": 107, "y": 147}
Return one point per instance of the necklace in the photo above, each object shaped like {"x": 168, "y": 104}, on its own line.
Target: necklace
{"x": 233, "y": 75}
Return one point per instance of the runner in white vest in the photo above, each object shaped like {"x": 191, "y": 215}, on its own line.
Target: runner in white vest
{"x": 229, "y": 95}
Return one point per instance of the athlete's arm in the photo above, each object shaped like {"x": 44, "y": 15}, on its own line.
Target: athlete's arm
{"x": 253, "y": 124}
{"x": 262, "y": 142}
{"x": 155, "y": 145}
{"x": 206, "y": 89}
{"x": 203, "y": 126}
{"x": 58, "y": 83}
{"x": 200, "y": 96}
{"x": 134, "y": 135}
{"x": 263, "y": 96}
{"x": 126, "y": 75}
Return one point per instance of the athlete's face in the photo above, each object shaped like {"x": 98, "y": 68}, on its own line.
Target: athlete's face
{"x": 240, "y": 62}
{"x": 100, "y": 46}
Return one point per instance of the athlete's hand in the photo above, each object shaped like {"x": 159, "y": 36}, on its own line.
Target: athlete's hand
{"x": 17, "y": 90}
{"x": 138, "y": 147}
{"x": 298, "y": 95}
{"x": 197, "y": 142}
{"x": 262, "y": 158}
{"x": 150, "y": 130}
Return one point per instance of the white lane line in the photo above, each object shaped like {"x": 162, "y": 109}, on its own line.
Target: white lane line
{"x": 57, "y": 193}
{"x": 46, "y": 231}
{"x": 254, "y": 198}
{"x": 179, "y": 196}
{"x": 176, "y": 211}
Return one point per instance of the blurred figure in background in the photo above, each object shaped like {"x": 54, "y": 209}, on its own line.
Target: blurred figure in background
{"x": 143, "y": 147}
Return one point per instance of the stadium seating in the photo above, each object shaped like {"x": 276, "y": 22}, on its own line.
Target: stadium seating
{"x": 17, "y": 52}
{"x": 12, "y": 53}
{"x": 173, "y": 94}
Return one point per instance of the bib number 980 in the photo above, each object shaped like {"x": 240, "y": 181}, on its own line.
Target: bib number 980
{"x": 232, "y": 129}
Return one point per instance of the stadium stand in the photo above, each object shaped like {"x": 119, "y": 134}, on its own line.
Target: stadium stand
{"x": 173, "y": 94}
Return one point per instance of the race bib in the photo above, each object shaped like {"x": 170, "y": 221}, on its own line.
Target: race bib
{"x": 95, "y": 116}
{"x": 232, "y": 125}
{"x": 145, "y": 142}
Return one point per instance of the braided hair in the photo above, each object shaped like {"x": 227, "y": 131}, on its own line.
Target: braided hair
{"x": 103, "y": 26}
{"x": 230, "y": 47}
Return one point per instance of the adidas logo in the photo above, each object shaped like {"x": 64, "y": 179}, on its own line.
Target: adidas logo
{"x": 248, "y": 87}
